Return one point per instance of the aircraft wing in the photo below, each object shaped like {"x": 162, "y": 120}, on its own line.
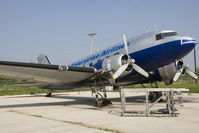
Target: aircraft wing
{"x": 52, "y": 74}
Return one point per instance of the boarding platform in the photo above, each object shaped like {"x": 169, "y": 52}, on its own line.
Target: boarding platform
{"x": 173, "y": 98}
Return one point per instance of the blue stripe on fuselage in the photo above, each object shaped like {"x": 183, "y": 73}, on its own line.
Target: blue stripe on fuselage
{"x": 188, "y": 40}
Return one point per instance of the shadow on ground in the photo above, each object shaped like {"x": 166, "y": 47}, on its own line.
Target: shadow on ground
{"x": 75, "y": 100}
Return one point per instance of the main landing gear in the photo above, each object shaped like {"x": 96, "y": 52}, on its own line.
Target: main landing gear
{"x": 100, "y": 99}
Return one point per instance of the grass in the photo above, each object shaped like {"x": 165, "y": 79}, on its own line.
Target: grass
{"x": 7, "y": 81}
{"x": 5, "y": 89}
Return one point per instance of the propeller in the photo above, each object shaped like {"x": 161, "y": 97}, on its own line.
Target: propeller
{"x": 185, "y": 68}
{"x": 130, "y": 62}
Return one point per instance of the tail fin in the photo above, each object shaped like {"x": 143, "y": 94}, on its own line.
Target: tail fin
{"x": 43, "y": 59}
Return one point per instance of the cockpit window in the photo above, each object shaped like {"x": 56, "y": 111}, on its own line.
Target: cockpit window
{"x": 169, "y": 34}
{"x": 158, "y": 37}
{"x": 163, "y": 35}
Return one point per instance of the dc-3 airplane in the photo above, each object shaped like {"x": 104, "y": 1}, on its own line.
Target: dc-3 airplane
{"x": 145, "y": 58}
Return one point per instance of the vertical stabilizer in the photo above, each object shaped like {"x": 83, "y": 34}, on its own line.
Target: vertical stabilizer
{"x": 43, "y": 59}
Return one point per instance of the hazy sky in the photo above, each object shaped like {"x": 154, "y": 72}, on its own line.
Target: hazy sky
{"x": 59, "y": 28}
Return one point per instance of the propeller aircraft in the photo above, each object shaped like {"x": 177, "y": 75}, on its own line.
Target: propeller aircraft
{"x": 145, "y": 58}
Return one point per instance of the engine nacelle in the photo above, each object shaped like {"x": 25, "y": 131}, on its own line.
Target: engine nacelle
{"x": 167, "y": 73}
{"x": 114, "y": 62}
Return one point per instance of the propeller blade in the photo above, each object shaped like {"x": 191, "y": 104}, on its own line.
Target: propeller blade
{"x": 192, "y": 74}
{"x": 120, "y": 71}
{"x": 125, "y": 44}
{"x": 140, "y": 70}
{"x": 177, "y": 75}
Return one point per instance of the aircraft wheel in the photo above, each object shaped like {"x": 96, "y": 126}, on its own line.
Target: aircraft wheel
{"x": 98, "y": 103}
{"x": 102, "y": 102}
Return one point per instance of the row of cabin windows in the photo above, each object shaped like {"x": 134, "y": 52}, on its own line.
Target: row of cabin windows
{"x": 163, "y": 35}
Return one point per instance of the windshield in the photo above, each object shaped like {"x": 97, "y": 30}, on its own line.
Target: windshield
{"x": 163, "y": 35}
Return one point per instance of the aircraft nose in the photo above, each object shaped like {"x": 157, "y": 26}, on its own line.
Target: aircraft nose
{"x": 188, "y": 40}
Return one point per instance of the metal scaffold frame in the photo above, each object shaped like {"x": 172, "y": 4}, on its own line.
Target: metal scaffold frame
{"x": 173, "y": 96}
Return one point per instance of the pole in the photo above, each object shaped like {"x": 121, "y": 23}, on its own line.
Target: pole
{"x": 195, "y": 61}
{"x": 91, "y": 43}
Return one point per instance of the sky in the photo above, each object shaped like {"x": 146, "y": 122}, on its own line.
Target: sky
{"x": 59, "y": 28}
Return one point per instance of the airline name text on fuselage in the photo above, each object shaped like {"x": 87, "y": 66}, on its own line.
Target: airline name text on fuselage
{"x": 104, "y": 53}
